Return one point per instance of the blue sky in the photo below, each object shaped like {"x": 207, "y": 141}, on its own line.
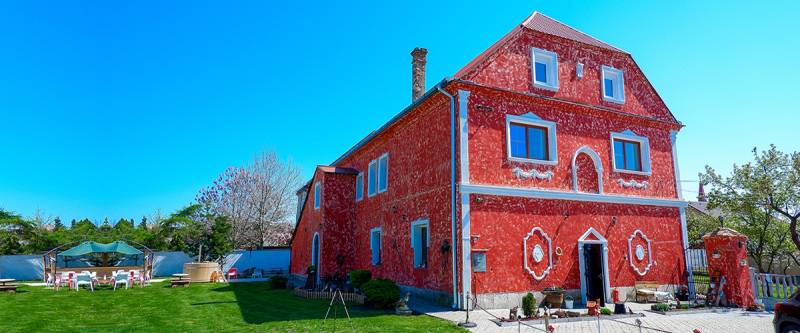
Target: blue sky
{"x": 119, "y": 109}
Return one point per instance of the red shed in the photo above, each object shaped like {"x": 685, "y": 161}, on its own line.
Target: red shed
{"x": 548, "y": 160}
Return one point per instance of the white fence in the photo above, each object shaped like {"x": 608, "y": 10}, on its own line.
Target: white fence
{"x": 29, "y": 267}
{"x": 697, "y": 257}
{"x": 772, "y": 288}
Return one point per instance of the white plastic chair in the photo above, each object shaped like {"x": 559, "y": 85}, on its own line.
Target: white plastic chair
{"x": 121, "y": 278}
{"x": 83, "y": 280}
{"x": 50, "y": 280}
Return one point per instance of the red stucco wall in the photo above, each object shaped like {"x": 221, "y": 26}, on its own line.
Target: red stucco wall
{"x": 500, "y": 224}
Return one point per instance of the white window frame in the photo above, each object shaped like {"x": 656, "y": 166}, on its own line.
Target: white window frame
{"x": 372, "y": 246}
{"x": 618, "y": 78}
{"x": 414, "y": 226}
{"x": 533, "y": 120}
{"x": 383, "y": 157}
{"x": 372, "y": 189}
{"x": 317, "y": 195}
{"x": 644, "y": 146}
{"x": 550, "y": 59}
{"x": 360, "y": 186}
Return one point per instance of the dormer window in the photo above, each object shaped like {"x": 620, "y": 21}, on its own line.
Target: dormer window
{"x": 545, "y": 69}
{"x": 612, "y": 85}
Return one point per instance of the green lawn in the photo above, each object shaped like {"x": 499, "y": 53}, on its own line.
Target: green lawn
{"x": 238, "y": 307}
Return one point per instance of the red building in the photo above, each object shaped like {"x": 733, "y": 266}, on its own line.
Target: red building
{"x": 548, "y": 160}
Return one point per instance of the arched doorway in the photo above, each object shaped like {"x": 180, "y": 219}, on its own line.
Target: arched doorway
{"x": 315, "y": 257}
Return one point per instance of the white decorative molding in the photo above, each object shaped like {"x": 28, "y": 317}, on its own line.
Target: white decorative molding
{"x": 532, "y": 174}
{"x": 637, "y": 254}
{"x": 598, "y": 167}
{"x": 633, "y": 183}
{"x": 564, "y": 195}
{"x": 538, "y": 277}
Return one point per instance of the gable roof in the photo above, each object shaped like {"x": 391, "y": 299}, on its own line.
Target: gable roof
{"x": 542, "y": 23}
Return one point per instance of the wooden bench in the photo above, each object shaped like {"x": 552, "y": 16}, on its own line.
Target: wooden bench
{"x": 9, "y": 288}
{"x": 181, "y": 282}
{"x": 646, "y": 290}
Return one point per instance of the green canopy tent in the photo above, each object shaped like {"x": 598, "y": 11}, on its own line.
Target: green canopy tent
{"x": 52, "y": 257}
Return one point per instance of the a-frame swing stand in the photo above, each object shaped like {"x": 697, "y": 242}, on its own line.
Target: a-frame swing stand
{"x": 338, "y": 293}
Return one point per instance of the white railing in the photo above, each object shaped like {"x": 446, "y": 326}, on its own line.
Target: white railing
{"x": 774, "y": 286}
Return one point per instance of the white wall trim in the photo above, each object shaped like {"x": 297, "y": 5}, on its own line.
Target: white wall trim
{"x": 525, "y": 253}
{"x": 631, "y": 253}
{"x": 463, "y": 128}
{"x": 602, "y": 241}
{"x": 466, "y": 253}
{"x": 563, "y": 195}
{"x": 550, "y": 59}
{"x": 598, "y": 167}
{"x": 378, "y": 180}
{"x": 619, "y": 84}
{"x": 644, "y": 145}
{"x": 532, "y": 119}
{"x": 315, "y": 256}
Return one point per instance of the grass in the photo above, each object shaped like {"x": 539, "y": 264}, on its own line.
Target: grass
{"x": 238, "y": 307}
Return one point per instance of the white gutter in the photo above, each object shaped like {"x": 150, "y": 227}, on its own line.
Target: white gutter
{"x": 453, "y": 243}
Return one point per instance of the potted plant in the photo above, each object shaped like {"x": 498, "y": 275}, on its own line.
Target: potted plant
{"x": 568, "y": 301}
{"x": 553, "y": 296}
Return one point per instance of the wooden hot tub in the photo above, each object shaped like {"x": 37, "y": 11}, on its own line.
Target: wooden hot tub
{"x": 200, "y": 271}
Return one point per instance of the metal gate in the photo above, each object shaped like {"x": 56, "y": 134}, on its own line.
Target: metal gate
{"x": 699, "y": 283}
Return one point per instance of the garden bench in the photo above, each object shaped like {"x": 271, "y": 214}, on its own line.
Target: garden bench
{"x": 646, "y": 290}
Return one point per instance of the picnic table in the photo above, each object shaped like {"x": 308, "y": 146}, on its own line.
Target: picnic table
{"x": 181, "y": 280}
{"x": 4, "y": 286}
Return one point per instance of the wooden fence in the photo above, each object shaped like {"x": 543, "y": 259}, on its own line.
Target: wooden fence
{"x": 327, "y": 295}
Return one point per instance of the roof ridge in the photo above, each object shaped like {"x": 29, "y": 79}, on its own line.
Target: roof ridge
{"x": 526, "y": 23}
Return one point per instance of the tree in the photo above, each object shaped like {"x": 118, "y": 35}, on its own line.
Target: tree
{"x": 258, "y": 200}
{"x": 219, "y": 240}
{"x": 143, "y": 224}
{"x": 57, "y": 225}
{"x": 762, "y": 199}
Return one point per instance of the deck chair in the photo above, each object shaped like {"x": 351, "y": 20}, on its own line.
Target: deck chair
{"x": 83, "y": 280}
{"x": 121, "y": 278}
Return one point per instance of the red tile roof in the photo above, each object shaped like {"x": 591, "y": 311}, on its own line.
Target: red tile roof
{"x": 539, "y": 22}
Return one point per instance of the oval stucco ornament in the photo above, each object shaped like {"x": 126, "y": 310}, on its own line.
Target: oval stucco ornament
{"x": 639, "y": 252}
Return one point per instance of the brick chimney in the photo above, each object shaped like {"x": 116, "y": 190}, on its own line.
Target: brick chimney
{"x": 701, "y": 193}
{"x": 418, "y": 73}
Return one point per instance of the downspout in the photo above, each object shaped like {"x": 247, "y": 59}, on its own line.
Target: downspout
{"x": 453, "y": 243}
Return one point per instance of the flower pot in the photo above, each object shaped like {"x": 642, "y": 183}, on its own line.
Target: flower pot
{"x": 569, "y": 303}
{"x": 554, "y": 299}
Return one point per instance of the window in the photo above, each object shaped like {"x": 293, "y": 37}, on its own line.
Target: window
{"x": 628, "y": 155}
{"x": 360, "y": 186}
{"x": 631, "y": 153}
{"x": 375, "y": 245}
{"x": 317, "y": 194}
{"x": 528, "y": 141}
{"x": 372, "y": 178}
{"x": 420, "y": 241}
{"x": 545, "y": 69}
{"x": 613, "y": 85}
{"x": 531, "y": 139}
{"x": 383, "y": 173}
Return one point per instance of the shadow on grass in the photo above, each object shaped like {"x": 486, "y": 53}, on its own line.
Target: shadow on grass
{"x": 258, "y": 305}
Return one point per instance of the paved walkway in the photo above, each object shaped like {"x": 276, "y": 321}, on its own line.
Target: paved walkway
{"x": 735, "y": 321}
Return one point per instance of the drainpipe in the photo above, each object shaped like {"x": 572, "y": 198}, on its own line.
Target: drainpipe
{"x": 453, "y": 243}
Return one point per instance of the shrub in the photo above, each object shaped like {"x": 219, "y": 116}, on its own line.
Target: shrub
{"x": 278, "y": 282}
{"x": 684, "y": 306}
{"x": 663, "y": 307}
{"x": 605, "y": 311}
{"x": 528, "y": 305}
{"x": 381, "y": 293}
{"x": 359, "y": 277}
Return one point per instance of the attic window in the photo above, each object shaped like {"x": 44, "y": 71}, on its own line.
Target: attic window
{"x": 545, "y": 69}
{"x": 612, "y": 84}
